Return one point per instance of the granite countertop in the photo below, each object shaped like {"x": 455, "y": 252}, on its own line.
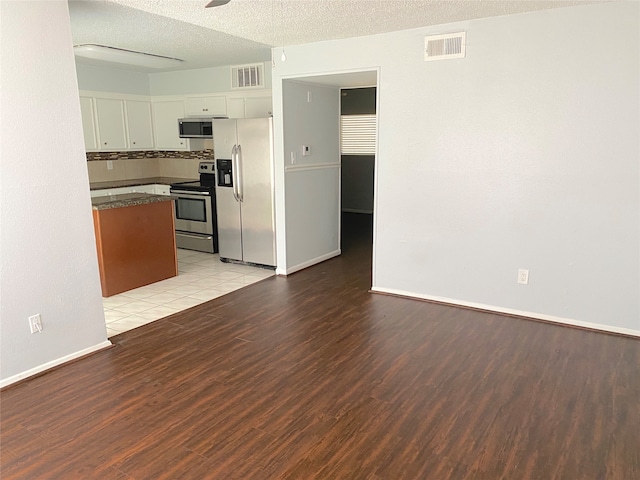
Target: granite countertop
{"x": 127, "y": 200}
{"x": 138, "y": 181}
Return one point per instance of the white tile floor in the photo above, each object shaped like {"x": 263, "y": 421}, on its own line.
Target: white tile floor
{"x": 201, "y": 277}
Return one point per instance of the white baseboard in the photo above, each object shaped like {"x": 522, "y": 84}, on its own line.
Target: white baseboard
{"x": 309, "y": 263}
{"x": 54, "y": 363}
{"x": 509, "y": 311}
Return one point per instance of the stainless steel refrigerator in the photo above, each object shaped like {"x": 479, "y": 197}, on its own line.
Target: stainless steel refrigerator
{"x": 243, "y": 149}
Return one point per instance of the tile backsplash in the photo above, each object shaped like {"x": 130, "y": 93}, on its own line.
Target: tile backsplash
{"x": 132, "y": 165}
{"x": 199, "y": 154}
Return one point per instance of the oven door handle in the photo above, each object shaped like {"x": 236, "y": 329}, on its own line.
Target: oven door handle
{"x": 193, "y": 235}
{"x": 239, "y": 175}
{"x": 234, "y": 172}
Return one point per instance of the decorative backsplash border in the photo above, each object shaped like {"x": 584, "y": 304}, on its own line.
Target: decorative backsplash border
{"x": 197, "y": 154}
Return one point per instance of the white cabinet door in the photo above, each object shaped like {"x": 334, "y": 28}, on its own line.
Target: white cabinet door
{"x": 207, "y": 106}
{"x": 165, "y": 119}
{"x": 155, "y": 188}
{"x": 139, "y": 124}
{"x": 111, "y": 127}
{"x": 258, "y": 107}
{"x": 162, "y": 189}
{"x": 144, "y": 189}
{"x": 88, "y": 124}
{"x": 111, "y": 191}
{"x": 235, "y": 107}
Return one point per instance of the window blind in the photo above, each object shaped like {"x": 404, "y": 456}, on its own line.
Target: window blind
{"x": 358, "y": 134}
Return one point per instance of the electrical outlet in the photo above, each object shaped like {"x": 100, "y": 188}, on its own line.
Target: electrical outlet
{"x": 109, "y": 164}
{"x": 523, "y": 276}
{"x": 306, "y": 150}
{"x": 35, "y": 323}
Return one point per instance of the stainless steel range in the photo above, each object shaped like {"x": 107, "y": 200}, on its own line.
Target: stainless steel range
{"x": 195, "y": 211}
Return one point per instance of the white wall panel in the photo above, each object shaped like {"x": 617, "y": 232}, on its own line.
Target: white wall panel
{"x": 524, "y": 154}
{"x": 48, "y": 263}
{"x": 313, "y": 210}
{"x": 312, "y": 183}
{"x": 107, "y": 79}
{"x": 199, "y": 81}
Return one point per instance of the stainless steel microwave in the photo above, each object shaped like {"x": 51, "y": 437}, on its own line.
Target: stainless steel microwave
{"x": 195, "y": 128}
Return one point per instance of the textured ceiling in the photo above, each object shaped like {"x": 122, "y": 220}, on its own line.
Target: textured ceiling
{"x": 244, "y": 30}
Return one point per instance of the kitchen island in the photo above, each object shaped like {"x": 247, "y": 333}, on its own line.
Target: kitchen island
{"x": 135, "y": 240}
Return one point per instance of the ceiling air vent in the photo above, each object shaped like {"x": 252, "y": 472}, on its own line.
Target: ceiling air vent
{"x": 247, "y": 76}
{"x": 441, "y": 47}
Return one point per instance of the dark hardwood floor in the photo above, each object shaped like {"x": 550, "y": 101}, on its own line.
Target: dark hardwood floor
{"x": 312, "y": 377}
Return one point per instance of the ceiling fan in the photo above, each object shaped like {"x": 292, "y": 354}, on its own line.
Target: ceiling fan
{"x": 216, "y": 3}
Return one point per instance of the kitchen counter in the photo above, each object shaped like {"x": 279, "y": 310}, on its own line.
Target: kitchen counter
{"x": 138, "y": 181}
{"x": 127, "y": 200}
{"x": 135, "y": 240}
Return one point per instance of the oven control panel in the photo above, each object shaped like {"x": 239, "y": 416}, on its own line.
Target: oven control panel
{"x": 206, "y": 167}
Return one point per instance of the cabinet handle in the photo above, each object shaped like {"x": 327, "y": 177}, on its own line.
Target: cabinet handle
{"x": 205, "y": 109}
{"x": 134, "y": 143}
{"x": 105, "y": 143}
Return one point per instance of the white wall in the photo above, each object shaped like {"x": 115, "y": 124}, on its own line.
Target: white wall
{"x": 525, "y": 154}
{"x": 109, "y": 79}
{"x": 312, "y": 115}
{"x": 199, "y": 81}
{"x": 202, "y": 81}
{"x": 48, "y": 258}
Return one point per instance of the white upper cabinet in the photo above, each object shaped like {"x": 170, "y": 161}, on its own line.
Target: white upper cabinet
{"x": 165, "y": 118}
{"x": 121, "y": 122}
{"x": 88, "y": 124}
{"x": 258, "y": 107}
{"x": 210, "y": 106}
{"x": 249, "y": 107}
{"x": 139, "y": 124}
{"x": 235, "y": 107}
{"x": 110, "y": 122}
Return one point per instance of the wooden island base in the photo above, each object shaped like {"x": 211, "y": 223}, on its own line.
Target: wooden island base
{"x": 136, "y": 246}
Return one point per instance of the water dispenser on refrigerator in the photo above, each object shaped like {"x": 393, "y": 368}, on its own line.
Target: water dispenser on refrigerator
{"x": 225, "y": 177}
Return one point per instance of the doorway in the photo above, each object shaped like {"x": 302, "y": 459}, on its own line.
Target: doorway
{"x": 357, "y": 157}
{"x": 311, "y": 200}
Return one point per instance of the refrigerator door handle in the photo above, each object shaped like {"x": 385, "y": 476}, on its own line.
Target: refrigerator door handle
{"x": 234, "y": 174}
{"x": 239, "y": 175}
